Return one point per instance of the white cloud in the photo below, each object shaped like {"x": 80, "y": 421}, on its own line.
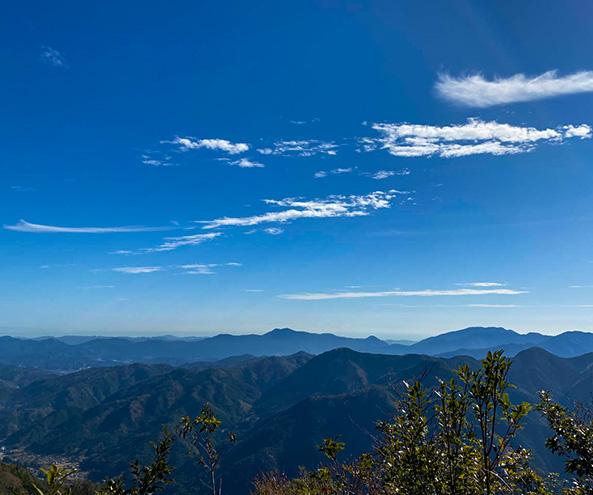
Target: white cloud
{"x": 191, "y": 269}
{"x": 135, "y": 270}
{"x": 475, "y": 91}
{"x": 23, "y": 226}
{"x": 53, "y": 57}
{"x": 172, "y": 243}
{"x": 383, "y": 174}
{"x": 164, "y": 161}
{"x": 273, "y": 231}
{"x": 494, "y": 306}
{"x": 333, "y": 206}
{"x": 247, "y": 163}
{"x": 489, "y": 148}
{"x": 188, "y": 143}
{"x": 335, "y": 171}
{"x": 22, "y": 188}
{"x": 301, "y": 148}
{"x": 303, "y": 122}
{"x": 483, "y": 284}
{"x": 204, "y": 268}
{"x": 473, "y": 138}
{"x": 581, "y": 287}
{"x": 581, "y": 131}
{"x": 400, "y": 293}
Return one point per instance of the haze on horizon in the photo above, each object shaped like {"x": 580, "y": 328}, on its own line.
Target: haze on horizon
{"x": 222, "y": 167}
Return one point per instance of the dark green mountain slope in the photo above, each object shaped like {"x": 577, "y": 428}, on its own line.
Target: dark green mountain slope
{"x": 358, "y": 389}
{"x": 280, "y": 407}
{"x": 16, "y": 479}
{"x": 344, "y": 370}
{"x": 77, "y": 391}
{"x": 289, "y": 439}
{"x": 98, "y": 416}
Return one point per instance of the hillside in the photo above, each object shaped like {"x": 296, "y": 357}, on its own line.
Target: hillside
{"x": 103, "y": 415}
{"x": 16, "y": 479}
{"x": 280, "y": 407}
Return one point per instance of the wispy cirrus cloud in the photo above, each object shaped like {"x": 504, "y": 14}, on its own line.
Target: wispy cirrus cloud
{"x": 60, "y": 265}
{"x": 502, "y": 306}
{"x": 307, "y": 296}
{"x": 52, "y": 57}
{"x": 335, "y": 171}
{"x": 383, "y": 174}
{"x": 204, "y": 268}
{"x": 303, "y": 122}
{"x": 379, "y": 175}
{"x": 190, "y": 143}
{"x": 472, "y": 138}
{"x": 158, "y": 160}
{"x": 309, "y": 147}
{"x": 190, "y": 269}
{"x": 295, "y": 208}
{"x": 24, "y": 226}
{"x": 482, "y": 284}
{"x": 172, "y": 243}
{"x": 476, "y": 91}
{"x": 136, "y": 270}
{"x": 22, "y": 188}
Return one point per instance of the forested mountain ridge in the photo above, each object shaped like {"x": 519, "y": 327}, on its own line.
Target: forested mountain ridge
{"x": 279, "y": 407}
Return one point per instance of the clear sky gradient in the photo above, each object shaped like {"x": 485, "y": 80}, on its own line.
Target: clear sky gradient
{"x": 383, "y": 167}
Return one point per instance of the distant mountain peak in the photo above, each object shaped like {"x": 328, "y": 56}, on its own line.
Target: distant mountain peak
{"x": 485, "y": 329}
{"x": 282, "y": 332}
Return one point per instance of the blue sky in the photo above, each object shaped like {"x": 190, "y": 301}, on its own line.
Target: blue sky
{"x": 390, "y": 168}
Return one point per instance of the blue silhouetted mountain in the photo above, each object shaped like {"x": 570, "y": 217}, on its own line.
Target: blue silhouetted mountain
{"x": 54, "y": 354}
{"x": 471, "y": 338}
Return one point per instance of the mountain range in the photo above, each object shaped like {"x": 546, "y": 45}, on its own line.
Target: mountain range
{"x": 77, "y": 352}
{"x": 280, "y": 407}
